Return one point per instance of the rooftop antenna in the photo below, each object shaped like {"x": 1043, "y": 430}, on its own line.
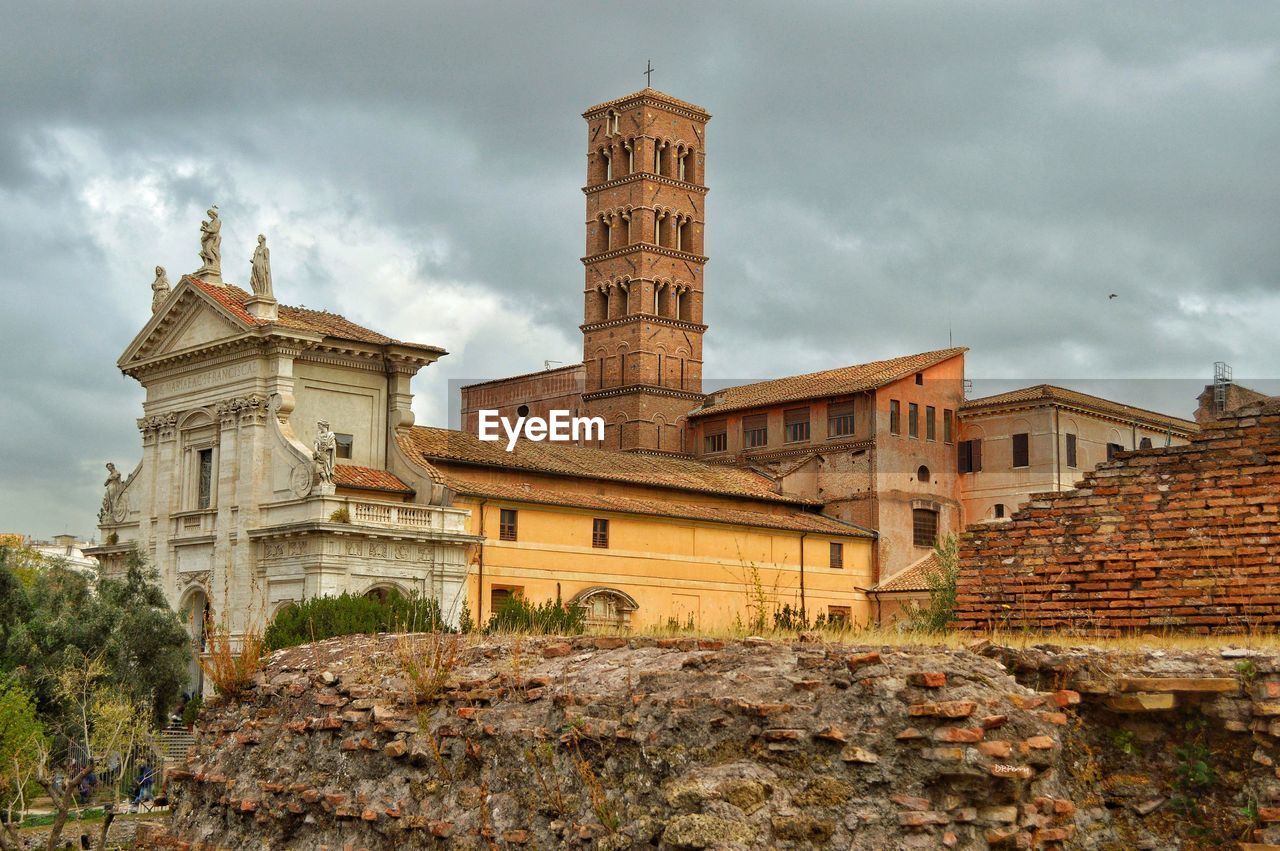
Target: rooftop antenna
{"x": 546, "y": 364}
{"x": 1221, "y": 380}
{"x": 648, "y": 73}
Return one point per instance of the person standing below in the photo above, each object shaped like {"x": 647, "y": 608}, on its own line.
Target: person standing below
{"x": 146, "y": 778}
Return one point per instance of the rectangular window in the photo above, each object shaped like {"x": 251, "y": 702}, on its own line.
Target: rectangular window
{"x": 1071, "y": 450}
{"x": 204, "y": 478}
{"x": 969, "y": 456}
{"x": 600, "y": 533}
{"x": 1022, "y": 450}
{"x": 913, "y": 420}
{"x": 930, "y": 423}
{"x": 837, "y": 555}
{"x": 948, "y": 425}
{"x": 715, "y": 436}
{"x": 507, "y": 524}
{"x": 345, "y": 442}
{"x": 755, "y": 431}
{"x": 840, "y": 419}
{"x": 924, "y": 527}
{"x": 498, "y": 597}
{"x": 1113, "y": 448}
{"x": 796, "y": 422}
{"x": 895, "y": 417}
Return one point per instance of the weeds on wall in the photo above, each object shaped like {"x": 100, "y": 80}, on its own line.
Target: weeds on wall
{"x": 427, "y": 660}
{"x": 230, "y": 665}
{"x": 940, "y": 613}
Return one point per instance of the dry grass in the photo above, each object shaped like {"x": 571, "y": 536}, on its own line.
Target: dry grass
{"x": 427, "y": 660}
{"x": 231, "y": 665}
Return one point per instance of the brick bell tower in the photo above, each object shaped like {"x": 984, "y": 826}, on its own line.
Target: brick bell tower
{"x": 642, "y": 317}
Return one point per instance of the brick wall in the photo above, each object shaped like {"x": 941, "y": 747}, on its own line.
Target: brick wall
{"x": 1184, "y": 538}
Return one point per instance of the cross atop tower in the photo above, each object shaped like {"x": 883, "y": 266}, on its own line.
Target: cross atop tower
{"x": 648, "y": 73}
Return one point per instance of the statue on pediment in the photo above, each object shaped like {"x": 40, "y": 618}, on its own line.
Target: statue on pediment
{"x": 211, "y": 248}
{"x": 113, "y": 498}
{"x": 326, "y": 452}
{"x": 260, "y": 274}
{"x": 159, "y": 289}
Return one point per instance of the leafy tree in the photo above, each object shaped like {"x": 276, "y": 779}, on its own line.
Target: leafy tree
{"x": 22, "y": 740}
{"x": 54, "y": 617}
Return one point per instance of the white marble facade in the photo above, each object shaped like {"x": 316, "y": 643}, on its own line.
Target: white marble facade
{"x": 224, "y": 500}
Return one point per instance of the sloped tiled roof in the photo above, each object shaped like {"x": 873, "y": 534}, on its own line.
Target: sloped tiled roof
{"x": 334, "y": 325}
{"x": 367, "y": 478}
{"x": 792, "y": 520}
{"x": 1074, "y": 398}
{"x": 817, "y": 385}
{"x": 562, "y": 459}
{"x": 913, "y": 577}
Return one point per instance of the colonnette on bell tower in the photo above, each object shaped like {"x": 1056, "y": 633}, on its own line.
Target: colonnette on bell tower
{"x": 642, "y": 316}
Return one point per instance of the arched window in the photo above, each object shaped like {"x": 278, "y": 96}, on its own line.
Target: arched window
{"x": 614, "y": 118}
{"x": 606, "y": 607}
{"x": 630, "y": 147}
{"x": 686, "y": 234}
{"x": 657, "y": 156}
{"x": 1145, "y": 443}
{"x": 922, "y": 474}
{"x": 608, "y": 163}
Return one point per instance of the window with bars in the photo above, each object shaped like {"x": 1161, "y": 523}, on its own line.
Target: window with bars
{"x": 715, "y": 437}
{"x": 930, "y": 423}
{"x": 948, "y": 425}
{"x": 796, "y": 425}
{"x": 1072, "y": 456}
{"x": 1022, "y": 450}
{"x": 969, "y": 456}
{"x": 507, "y": 524}
{"x": 840, "y": 419}
{"x": 837, "y": 555}
{"x": 600, "y": 533}
{"x": 755, "y": 431}
{"x": 895, "y": 417}
{"x": 913, "y": 420}
{"x": 924, "y": 527}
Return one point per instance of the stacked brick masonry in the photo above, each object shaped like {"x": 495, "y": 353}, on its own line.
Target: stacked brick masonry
{"x": 1184, "y": 538}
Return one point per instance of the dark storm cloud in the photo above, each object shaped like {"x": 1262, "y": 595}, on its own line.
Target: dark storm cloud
{"x": 885, "y": 177}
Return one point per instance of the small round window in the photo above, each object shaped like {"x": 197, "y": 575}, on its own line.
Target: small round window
{"x": 522, "y": 411}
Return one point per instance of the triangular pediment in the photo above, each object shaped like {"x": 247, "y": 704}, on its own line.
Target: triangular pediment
{"x": 189, "y": 321}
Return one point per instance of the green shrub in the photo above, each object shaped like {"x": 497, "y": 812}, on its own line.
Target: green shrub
{"x": 515, "y": 614}
{"x": 939, "y": 615}
{"x": 348, "y": 614}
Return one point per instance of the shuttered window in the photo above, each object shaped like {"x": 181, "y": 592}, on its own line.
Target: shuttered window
{"x": 1022, "y": 450}
{"x": 913, "y": 420}
{"x": 1071, "y": 450}
{"x": 931, "y": 423}
{"x": 796, "y": 422}
{"x": 715, "y": 438}
{"x": 840, "y": 419}
{"x": 969, "y": 456}
{"x": 755, "y": 431}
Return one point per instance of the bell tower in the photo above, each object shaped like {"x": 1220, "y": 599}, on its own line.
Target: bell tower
{"x": 642, "y": 317}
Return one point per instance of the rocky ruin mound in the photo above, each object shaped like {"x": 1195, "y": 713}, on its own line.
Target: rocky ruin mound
{"x": 612, "y": 743}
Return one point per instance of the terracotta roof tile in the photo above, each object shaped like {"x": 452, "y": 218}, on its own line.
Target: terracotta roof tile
{"x": 334, "y": 325}
{"x": 817, "y": 385}
{"x": 791, "y": 520}
{"x": 367, "y": 478}
{"x": 1063, "y": 396}
{"x": 562, "y": 459}
{"x": 913, "y": 577}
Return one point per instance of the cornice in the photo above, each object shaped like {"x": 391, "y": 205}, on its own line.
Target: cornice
{"x": 651, "y": 389}
{"x": 640, "y": 317}
{"x": 1002, "y": 408}
{"x": 749, "y": 456}
{"x": 645, "y": 246}
{"x": 650, "y": 97}
{"x": 646, "y": 175}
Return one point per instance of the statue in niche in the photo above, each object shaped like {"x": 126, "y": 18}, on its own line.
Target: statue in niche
{"x": 260, "y": 274}
{"x": 326, "y": 452}
{"x": 112, "y": 502}
{"x": 159, "y": 289}
{"x": 211, "y": 247}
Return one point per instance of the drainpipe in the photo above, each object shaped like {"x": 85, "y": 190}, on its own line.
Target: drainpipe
{"x": 480, "y": 563}
{"x": 1057, "y": 465}
{"x": 803, "y": 607}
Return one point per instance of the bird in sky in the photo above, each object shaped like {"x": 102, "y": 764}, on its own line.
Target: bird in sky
{"x": 1113, "y": 295}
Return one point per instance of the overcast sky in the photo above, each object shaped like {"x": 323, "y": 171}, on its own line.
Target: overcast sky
{"x": 882, "y": 175}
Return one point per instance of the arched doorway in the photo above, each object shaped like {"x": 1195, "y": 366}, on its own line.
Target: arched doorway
{"x": 197, "y": 615}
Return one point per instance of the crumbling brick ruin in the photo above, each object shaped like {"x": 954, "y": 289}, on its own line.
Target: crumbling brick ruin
{"x": 1183, "y": 538}
{"x": 603, "y": 742}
